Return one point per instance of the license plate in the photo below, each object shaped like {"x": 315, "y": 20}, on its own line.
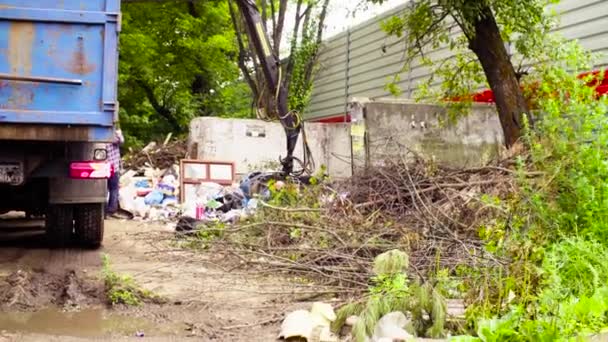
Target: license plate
{"x": 11, "y": 173}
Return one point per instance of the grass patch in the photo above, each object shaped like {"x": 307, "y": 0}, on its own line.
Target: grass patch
{"x": 122, "y": 289}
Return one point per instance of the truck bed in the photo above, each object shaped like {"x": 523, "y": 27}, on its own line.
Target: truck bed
{"x": 58, "y": 69}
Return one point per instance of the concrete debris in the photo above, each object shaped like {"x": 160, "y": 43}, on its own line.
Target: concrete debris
{"x": 311, "y": 326}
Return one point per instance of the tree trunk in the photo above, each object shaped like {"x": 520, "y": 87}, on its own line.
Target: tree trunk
{"x": 278, "y": 33}
{"x": 294, "y": 44}
{"x": 160, "y": 108}
{"x": 192, "y": 9}
{"x": 242, "y": 52}
{"x": 488, "y": 45}
{"x": 265, "y": 14}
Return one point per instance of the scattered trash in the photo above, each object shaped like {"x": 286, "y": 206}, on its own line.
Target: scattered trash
{"x": 139, "y": 334}
{"x": 391, "y": 328}
{"x": 150, "y": 189}
{"x": 154, "y": 198}
{"x": 313, "y": 325}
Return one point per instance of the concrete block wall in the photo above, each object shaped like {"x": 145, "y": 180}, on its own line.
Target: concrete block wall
{"x": 394, "y": 127}
{"x": 391, "y": 129}
{"x": 256, "y": 144}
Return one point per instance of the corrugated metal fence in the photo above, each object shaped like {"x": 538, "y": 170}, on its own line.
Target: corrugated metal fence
{"x": 362, "y": 60}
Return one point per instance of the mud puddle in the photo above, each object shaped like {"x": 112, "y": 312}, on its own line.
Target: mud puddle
{"x": 88, "y": 323}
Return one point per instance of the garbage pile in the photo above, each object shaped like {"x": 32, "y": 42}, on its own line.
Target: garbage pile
{"x": 151, "y": 195}
{"x": 227, "y": 204}
{"x": 154, "y": 194}
{"x": 150, "y": 187}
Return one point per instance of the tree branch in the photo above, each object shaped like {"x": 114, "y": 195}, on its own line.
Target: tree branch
{"x": 322, "y": 17}
{"x": 192, "y": 9}
{"x": 273, "y": 16}
{"x": 294, "y": 42}
{"x": 161, "y": 110}
{"x": 319, "y": 39}
{"x": 278, "y": 33}
{"x": 306, "y": 22}
{"x": 242, "y": 53}
{"x": 265, "y": 14}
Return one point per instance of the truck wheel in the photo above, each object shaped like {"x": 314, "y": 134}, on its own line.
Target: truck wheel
{"x": 59, "y": 225}
{"x": 89, "y": 224}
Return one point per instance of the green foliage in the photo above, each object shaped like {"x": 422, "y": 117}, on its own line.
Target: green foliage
{"x": 288, "y": 195}
{"x": 567, "y": 320}
{"x": 554, "y": 234}
{"x": 177, "y": 62}
{"x": 448, "y": 286}
{"x": 122, "y": 289}
{"x": 391, "y": 291}
{"x": 576, "y": 266}
{"x": 426, "y": 25}
{"x": 391, "y": 263}
{"x": 205, "y": 235}
{"x": 304, "y": 67}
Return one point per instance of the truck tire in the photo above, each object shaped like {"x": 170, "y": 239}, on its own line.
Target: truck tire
{"x": 89, "y": 225}
{"x": 59, "y": 225}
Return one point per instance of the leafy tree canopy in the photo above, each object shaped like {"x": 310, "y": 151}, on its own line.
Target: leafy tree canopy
{"x": 178, "y": 60}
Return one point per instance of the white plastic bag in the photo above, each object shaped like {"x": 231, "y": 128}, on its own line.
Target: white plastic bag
{"x": 126, "y": 198}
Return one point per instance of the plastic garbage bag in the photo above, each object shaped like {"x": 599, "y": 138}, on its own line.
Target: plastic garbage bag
{"x": 252, "y": 204}
{"x": 141, "y": 209}
{"x": 126, "y": 198}
{"x": 170, "y": 180}
{"x": 169, "y": 200}
{"x": 232, "y": 216}
{"x": 154, "y": 198}
{"x": 207, "y": 191}
{"x": 213, "y": 204}
{"x": 143, "y": 183}
{"x": 313, "y": 325}
{"x": 322, "y": 314}
{"x": 391, "y": 328}
{"x": 231, "y": 199}
{"x": 126, "y": 178}
{"x": 255, "y": 183}
{"x": 297, "y": 324}
{"x": 166, "y": 189}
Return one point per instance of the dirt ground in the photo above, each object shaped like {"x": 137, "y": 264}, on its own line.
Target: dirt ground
{"x": 57, "y": 295}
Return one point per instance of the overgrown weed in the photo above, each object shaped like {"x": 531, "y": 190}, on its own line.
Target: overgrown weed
{"x": 122, "y": 289}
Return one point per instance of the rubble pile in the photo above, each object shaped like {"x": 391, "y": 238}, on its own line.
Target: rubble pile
{"x": 156, "y": 156}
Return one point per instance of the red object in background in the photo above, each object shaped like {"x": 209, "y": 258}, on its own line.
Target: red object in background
{"x": 600, "y": 81}
{"x": 335, "y": 119}
{"x": 486, "y": 96}
{"x": 91, "y": 170}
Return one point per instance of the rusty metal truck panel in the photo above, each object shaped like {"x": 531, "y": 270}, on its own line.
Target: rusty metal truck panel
{"x": 58, "y": 66}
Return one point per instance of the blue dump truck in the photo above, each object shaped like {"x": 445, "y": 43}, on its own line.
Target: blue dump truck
{"x": 58, "y": 109}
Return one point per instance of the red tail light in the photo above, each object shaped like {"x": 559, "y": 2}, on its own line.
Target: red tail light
{"x": 91, "y": 170}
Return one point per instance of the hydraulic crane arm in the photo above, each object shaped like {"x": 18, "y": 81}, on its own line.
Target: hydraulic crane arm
{"x": 271, "y": 70}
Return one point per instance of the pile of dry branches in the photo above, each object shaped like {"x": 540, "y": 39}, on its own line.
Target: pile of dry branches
{"x": 158, "y": 156}
{"x": 333, "y": 234}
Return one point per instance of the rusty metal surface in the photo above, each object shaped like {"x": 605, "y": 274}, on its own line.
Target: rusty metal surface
{"x": 58, "y": 64}
{"x": 44, "y": 133}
